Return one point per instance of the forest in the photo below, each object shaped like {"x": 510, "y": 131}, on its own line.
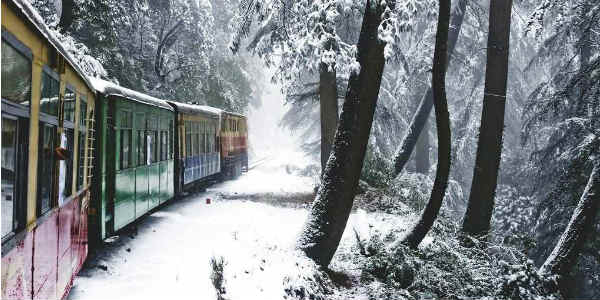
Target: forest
{"x": 478, "y": 121}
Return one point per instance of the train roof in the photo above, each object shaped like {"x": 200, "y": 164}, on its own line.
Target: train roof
{"x": 109, "y": 88}
{"x": 195, "y": 109}
{"x": 234, "y": 114}
{"x": 35, "y": 21}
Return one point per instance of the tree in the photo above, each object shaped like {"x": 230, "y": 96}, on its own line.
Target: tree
{"x": 565, "y": 253}
{"x": 442, "y": 117}
{"x": 420, "y": 118}
{"x": 322, "y": 231}
{"x": 489, "y": 147}
{"x": 301, "y": 37}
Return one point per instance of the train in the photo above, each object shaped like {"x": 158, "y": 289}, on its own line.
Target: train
{"x": 82, "y": 157}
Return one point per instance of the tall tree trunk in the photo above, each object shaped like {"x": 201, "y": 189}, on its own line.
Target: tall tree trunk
{"x": 489, "y": 146}
{"x": 326, "y": 222}
{"x": 442, "y": 119}
{"x": 422, "y": 154}
{"x": 420, "y": 118}
{"x": 565, "y": 253}
{"x": 66, "y": 16}
{"x": 329, "y": 110}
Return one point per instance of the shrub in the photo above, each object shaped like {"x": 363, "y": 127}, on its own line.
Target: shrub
{"x": 217, "y": 268}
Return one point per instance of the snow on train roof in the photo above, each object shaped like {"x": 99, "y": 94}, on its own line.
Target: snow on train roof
{"x": 234, "y": 114}
{"x": 31, "y": 14}
{"x": 109, "y": 88}
{"x": 193, "y": 108}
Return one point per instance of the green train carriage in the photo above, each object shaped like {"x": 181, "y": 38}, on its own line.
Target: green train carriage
{"x": 135, "y": 161}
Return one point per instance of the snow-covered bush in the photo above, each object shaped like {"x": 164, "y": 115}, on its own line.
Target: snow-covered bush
{"x": 513, "y": 218}
{"x": 376, "y": 170}
{"x": 412, "y": 189}
{"x": 523, "y": 282}
{"x": 217, "y": 268}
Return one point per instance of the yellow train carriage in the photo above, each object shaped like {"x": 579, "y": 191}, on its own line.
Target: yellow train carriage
{"x": 47, "y": 137}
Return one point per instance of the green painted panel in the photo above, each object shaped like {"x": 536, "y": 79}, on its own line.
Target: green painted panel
{"x": 163, "y": 182}
{"x": 124, "y": 197}
{"x": 171, "y": 172}
{"x": 141, "y": 190}
{"x": 154, "y": 181}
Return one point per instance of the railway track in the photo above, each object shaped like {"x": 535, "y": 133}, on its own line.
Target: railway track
{"x": 258, "y": 162}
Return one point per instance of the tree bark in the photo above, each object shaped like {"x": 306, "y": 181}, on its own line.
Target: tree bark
{"x": 489, "y": 146}
{"x": 422, "y": 154}
{"x": 565, "y": 253}
{"x": 66, "y": 16}
{"x": 327, "y": 219}
{"x": 442, "y": 118}
{"x": 329, "y": 110}
{"x": 420, "y": 118}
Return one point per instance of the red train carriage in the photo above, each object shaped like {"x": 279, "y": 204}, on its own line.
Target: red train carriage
{"x": 234, "y": 144}
{"x": 47, "y": 108}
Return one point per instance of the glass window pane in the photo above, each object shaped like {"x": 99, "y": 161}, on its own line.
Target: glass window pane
{"x": 9, "y": 137}
{"x": 46, "y": 166}
{"x": 141, "y": 148}
{"x": 125, "y": 148}
{"x": 69, "y": 105}
{"x": 49, "y": 98}
{"x": 82, "y": 112}
{"x": 16, "y": 75}
{"x": 66, "y": 167}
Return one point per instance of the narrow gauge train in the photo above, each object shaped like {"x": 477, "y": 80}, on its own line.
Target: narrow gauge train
{"x": 82, "y": 158}
{"x": 47, "y": 136}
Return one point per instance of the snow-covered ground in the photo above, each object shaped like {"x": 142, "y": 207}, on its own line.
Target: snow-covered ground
{"x": 168, "y": 257}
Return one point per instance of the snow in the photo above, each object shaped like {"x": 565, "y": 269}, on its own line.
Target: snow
{"x": 169, "y": 255}
{"x": 109, "y": 88}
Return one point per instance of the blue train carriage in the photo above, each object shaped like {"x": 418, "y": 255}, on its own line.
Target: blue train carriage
{"x": 197, "y": 146}
{"x": 135, "y": 161}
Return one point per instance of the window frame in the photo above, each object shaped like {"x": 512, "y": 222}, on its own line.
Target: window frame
{"x": 20, "y": 47}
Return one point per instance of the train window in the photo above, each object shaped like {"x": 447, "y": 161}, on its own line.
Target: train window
{"x": 9, "y": 178}
{"x": 47, "y": 145}
{"x": 170, "y": 137}
{"x": 141, "y": 147}
{"x": 125, "y": 148}
{"x": 195, "y": 140}
{"x": 188, "y": 139}
{"x": 66, "y": 166}
{"x": 50, "y": 91}
{"x": 69, "y": 105}
{"x": 155, "y": 146}
{"x": 81, "y": 142}
{"x": 126, "y": 136}
{"x": 16, "y": 73}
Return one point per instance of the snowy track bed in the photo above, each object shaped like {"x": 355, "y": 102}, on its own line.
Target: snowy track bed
{"x": 166, "y": 256}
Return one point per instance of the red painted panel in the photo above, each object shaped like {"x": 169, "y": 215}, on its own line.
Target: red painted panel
{"x": 83, "y": 230}
{"x": 65, "y": 269}
{"x": 16, "y": 270}
{"x": 45, "y": 257}
{"x": 75, "y": 236}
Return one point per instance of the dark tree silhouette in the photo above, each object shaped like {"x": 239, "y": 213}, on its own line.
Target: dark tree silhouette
{"x": 489, "y": 147}
{"x": 321, "y": 234}
{"x": 420, "y": 118}
{"x": 442, "y": 118}
{"x": 329, "y": 110}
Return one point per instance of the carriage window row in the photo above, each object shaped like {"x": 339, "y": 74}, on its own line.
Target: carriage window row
{"x": 200, "y": 138}
{"x": 16, "y": 88}
{"x": 234, "y": 125}
{"x": 151, "y": 145}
